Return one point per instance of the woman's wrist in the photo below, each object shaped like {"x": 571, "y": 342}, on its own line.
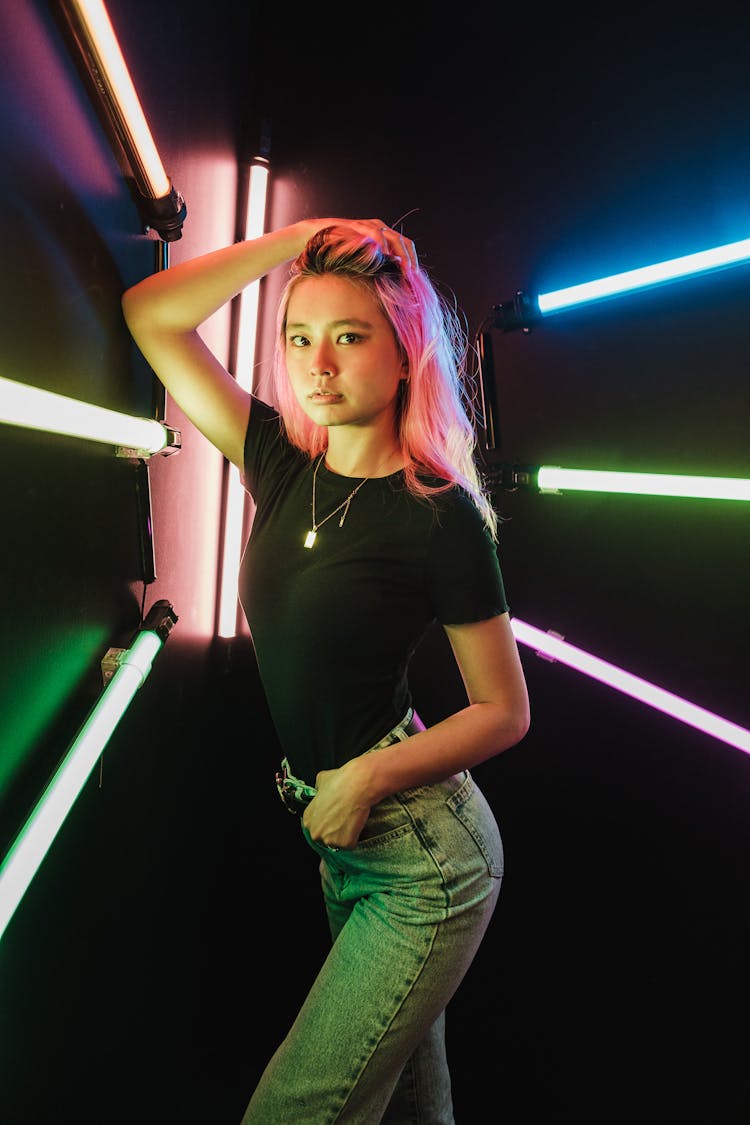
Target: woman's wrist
{"x": 306, "y": 228}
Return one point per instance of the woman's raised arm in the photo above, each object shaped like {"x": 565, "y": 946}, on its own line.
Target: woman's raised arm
{"x": 164, "y": 311}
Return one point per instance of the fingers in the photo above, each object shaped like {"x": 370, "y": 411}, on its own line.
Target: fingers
{"x": 409, "y": 253}
{"x": 397, "y": 244}
{"x": 392, "y": 242}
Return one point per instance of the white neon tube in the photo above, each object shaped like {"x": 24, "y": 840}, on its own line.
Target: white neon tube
{"x": 244, "y": 367}
{"x": 114, "y": 78}
{"x": 551, "y": 478}
{"x": 556, "y": 648}
{"x": 33, "y": 843}
{"x": 671, "y": 270}
{"x": 36, "y": 409}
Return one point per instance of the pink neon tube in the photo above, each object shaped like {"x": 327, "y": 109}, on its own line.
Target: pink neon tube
{"x": 556, "y": 648}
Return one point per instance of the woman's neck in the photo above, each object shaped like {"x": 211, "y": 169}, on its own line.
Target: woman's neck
{"x": 368, "y": 458}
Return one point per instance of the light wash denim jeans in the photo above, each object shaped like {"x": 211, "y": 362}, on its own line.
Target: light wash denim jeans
{"x": 408, "y": 908}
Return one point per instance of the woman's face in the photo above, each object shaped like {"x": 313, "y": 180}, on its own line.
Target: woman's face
{"x": 341, "y": 353}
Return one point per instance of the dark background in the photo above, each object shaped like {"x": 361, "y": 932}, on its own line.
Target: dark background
{"x": 163, "y": 946}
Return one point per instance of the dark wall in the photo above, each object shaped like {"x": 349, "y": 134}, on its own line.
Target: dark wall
{"x": 527, "y": 151}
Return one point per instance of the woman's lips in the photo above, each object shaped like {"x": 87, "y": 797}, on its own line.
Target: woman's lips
{"x": 325, "y": 397}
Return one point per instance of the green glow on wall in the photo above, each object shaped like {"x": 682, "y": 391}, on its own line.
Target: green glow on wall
{"x": 61, "y": 660}
{"x": 35, "y": 838}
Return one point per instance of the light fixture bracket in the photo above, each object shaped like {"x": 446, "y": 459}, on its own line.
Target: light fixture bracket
{"x": 512, "y": 477}
{"x": 164, "y": 215}
{"x": 174, "y": 445}
{"x": 522, "y": 311}
{"x": 160, "y": 619}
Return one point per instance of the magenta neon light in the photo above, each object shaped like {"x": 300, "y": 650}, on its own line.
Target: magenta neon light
{"x": 550, "y": 645}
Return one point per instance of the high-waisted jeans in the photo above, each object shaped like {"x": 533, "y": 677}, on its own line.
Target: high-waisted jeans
{"x": 407, "y": 908}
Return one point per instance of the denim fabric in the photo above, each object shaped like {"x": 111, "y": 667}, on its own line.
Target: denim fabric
{"x": 408, "y": 908}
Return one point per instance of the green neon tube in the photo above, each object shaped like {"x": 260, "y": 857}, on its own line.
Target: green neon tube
{"x": 553, "y": 479}
{"x": 36, "y": 837}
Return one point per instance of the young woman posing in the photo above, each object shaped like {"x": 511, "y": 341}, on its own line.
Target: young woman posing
{"x": 371, "y": 522}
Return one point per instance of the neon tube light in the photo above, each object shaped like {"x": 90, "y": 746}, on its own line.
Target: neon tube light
{"x": 163, "y": 208}
{"x": 36, "y": 409}
{"x": 526, "y": 310}
{"x": 249, "y": 298}
{"x": 551, "y": 478}
{"x": 551, "y": 646}
{"x": 672, "y": 270}
{"x": 118, "y": 88}
{"x": 36, "y": 837}
{"x": 244, "y": 368}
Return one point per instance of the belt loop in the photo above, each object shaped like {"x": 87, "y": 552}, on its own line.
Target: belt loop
{"x": 400, "y": 732}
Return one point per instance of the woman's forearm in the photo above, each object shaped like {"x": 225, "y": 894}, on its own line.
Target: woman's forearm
{"x": 181, "y": 298}
{"x": 461, "y": 741}
{"x": 165, "y": 310}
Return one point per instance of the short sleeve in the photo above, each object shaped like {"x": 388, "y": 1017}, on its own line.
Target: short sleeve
{"x": 264, "y": 453}
{"x": 463, "y": 571}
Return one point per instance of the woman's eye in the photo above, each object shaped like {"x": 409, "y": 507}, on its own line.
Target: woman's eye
{"x": 299, "y": 341}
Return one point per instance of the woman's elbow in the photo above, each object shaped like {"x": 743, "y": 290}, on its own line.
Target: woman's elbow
{"x": 141, "y": 311}
{"x": 522, "y": 726}
{"x": 129, "y": 303}
{"x": 517, "y": 723}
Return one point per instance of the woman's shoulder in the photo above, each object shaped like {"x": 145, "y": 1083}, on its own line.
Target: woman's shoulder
{"x": 262, "y": 411}
{"x": 268, "y": 451}
{"x": 446, "y": 495}
{"x": 448, "y": 509}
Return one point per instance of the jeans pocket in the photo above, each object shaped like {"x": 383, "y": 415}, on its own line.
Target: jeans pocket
{"x": 470, "y": 806}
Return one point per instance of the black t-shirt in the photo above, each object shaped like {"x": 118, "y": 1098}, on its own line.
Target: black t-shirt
{"x": 335, "y": 626}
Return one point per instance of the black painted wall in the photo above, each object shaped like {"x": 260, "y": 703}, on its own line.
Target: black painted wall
{"x": 528, "y": 151}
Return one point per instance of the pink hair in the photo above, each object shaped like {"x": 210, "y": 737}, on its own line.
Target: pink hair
{"x": 436, "y": 413}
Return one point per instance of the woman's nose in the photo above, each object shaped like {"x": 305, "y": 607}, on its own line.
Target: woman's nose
{"x": 321, "y": 361}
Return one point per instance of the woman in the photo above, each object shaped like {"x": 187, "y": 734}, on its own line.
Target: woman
{"x": 370, "y": 523}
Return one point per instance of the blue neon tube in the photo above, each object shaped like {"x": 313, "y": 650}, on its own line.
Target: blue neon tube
{"x": 674, "y": 269}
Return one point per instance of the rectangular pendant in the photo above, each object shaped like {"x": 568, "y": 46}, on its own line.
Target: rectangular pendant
{"x": 310, "y": 538}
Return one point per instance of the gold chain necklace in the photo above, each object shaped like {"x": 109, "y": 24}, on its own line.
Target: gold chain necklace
{"x": 312, "y": 533}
